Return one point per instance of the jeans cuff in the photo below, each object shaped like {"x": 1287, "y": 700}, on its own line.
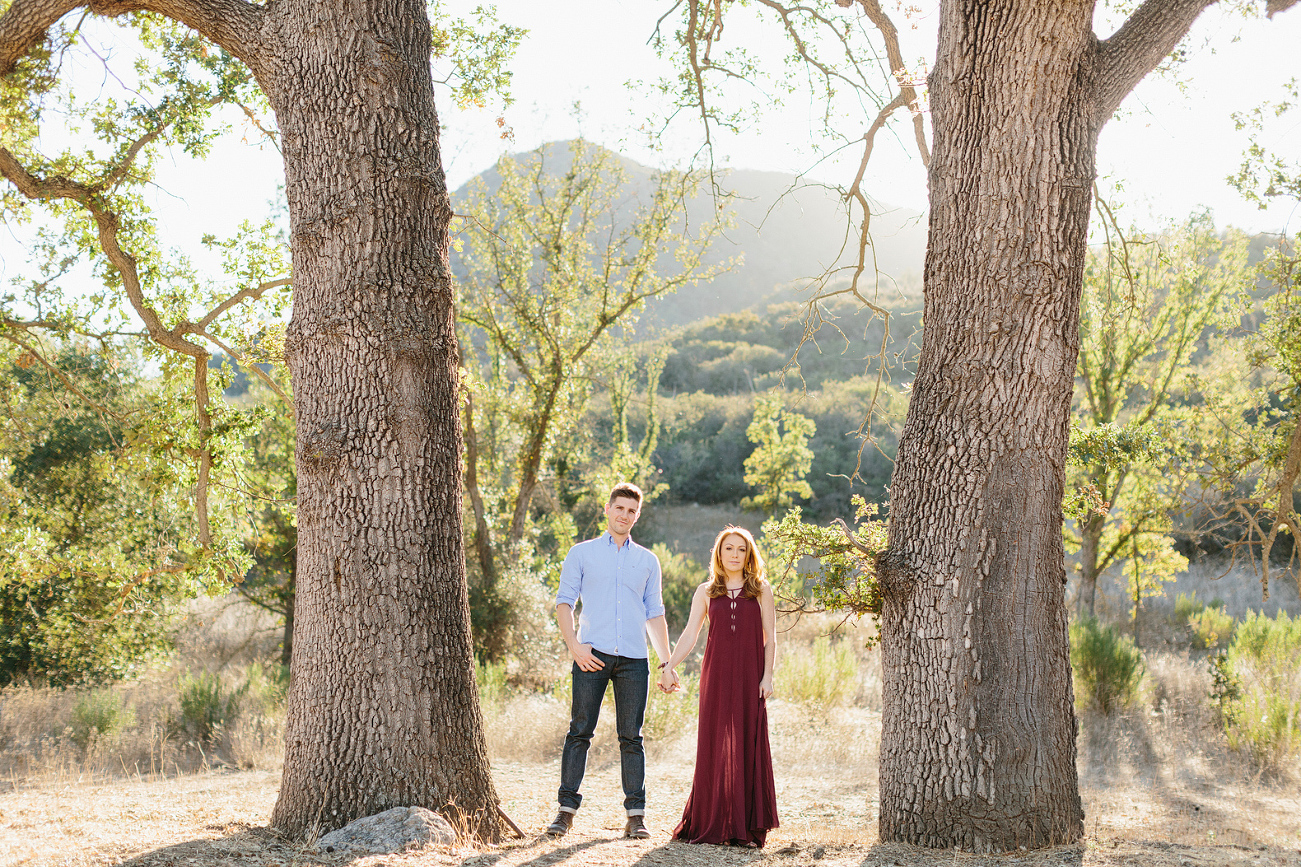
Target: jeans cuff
{"x": 641, "y": 812}
{"x": 570, "y": 810}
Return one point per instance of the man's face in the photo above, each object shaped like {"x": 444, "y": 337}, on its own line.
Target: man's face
{"x": 620, "y": 514}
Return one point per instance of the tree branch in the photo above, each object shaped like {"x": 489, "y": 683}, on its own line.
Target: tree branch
{"x": 854, "y": 543}
{"x": 24, "y": 24}
{"x": 248, "y": 293}
{"x": 899, "y": 69}
{"x": 62, "y": 377}
{"x": 234, "y": 25}
{"x": 1142, "y": 42}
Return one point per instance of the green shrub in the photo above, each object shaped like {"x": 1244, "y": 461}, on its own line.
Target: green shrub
{"x": 490, "y": 677}
{"x": 1188, "y": 605}
{"x": 1258, "y": 689}
{"x": 262, "y": 694}
{"x": 100, "y": 713}
{"x": 1211, "y": 627}
{"x": 680, "y": 576}
{"x": 821, "y": 676}
{"x": 205, "y": 705}
{"x": 1108, "y": 668}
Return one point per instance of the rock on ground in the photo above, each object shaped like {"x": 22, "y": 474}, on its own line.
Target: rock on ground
{"x": 395, "y": 830}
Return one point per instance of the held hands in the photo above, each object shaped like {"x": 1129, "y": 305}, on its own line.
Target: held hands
{"x": 669, "y": 680}
{"x": 765, "y": 688}
{"x": 586, "y": 660}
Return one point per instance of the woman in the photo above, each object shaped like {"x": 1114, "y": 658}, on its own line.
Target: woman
{"x": 733, "y": 800}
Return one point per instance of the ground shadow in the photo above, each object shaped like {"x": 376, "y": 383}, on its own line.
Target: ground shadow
{"x": 903, "y": 855}
{"x": 254, "y": 846}
{"x": 672, "y": 852}
{"x": 543, "y": 859}
{"x": 250, "y": 846}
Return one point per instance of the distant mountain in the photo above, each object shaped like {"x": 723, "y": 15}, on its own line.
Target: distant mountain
{"x": 785, "y": 231}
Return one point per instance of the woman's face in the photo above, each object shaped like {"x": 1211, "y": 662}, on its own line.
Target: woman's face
{"x": 733, "y": 552}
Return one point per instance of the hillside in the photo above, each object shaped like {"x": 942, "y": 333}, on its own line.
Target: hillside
{"x": 783, "y": 232}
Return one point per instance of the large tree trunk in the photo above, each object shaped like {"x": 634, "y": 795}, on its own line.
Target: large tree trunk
{"x": 978, "y": 740}
{"x": 382, "y": 708}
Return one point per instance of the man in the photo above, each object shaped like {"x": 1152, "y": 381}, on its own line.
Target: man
{"x": 618, "y": 582}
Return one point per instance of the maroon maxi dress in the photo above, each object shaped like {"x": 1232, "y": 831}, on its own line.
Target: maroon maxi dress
{"x": 733, "y": 799}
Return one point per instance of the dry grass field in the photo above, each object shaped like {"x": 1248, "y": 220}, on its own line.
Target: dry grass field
{"x": 1160, "y": 784}
{"x": 825, "y": 794}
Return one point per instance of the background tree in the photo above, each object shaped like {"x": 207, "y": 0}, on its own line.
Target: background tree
{"x": 978, "y": 728}
{"x": 1254, "y": 454}
{"x": 1148, "y": 303}
{"x": 781, "y": 458}
{"x": 92, "y": 527}
{"x": 271, "y": 536}
{"x": 557, "y": 261}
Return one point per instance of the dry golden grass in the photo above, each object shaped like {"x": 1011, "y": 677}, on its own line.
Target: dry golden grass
{"x": 1159, "y": 783}
{"x": 827, "y": 809}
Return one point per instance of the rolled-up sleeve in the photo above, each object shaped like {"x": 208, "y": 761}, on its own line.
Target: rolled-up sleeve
{"x": 571, "y": 579}
{"x": 653, "y": 595}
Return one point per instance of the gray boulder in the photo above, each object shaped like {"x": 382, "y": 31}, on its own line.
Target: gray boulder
{"x": 395, "y": 830}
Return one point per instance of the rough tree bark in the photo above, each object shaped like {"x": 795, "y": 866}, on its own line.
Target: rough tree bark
{"x": 978, "y": 730}
{"x": 382, "y": 706}
{"x": 381, "y": 709}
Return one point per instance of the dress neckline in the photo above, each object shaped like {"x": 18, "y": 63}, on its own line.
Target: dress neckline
{"x": 734, "y": 594}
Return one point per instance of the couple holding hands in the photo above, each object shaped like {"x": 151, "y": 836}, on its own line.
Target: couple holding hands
{"x": 733, "y": 800}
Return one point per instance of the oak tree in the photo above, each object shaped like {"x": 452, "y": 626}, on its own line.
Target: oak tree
{"x": 978, "y": 728}
{"x": 381, "y": 705}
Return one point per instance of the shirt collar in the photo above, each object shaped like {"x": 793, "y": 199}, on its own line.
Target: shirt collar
{"x": 609, "y": 540}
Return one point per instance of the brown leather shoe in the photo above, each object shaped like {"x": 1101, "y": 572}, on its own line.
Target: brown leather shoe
{"x": 636, "y": 828}
{"x": 560, "y": 825}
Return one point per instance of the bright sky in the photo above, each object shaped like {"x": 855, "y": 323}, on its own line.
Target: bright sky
{"x": 1171, "y": 148}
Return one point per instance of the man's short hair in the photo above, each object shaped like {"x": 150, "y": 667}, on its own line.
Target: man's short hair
{"x": 624, "y": 489}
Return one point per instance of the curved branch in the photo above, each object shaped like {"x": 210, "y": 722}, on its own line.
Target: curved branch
{"x": 234, "y": 25}
{"x": 854, "y": 543}
{"x": 106, "y": 221}
{"x": 62, "y": 377}
{"x": 252, "y": 367}
{"x": 248, "y": 293}
{"x": 894, "y": 54}
{"x": 1141, "y": 43}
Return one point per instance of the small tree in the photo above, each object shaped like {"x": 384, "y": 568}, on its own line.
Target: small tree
{"x": 1147, "y": 306}
{"x": 782, "y": 459}
{"x": 557, "y": 258}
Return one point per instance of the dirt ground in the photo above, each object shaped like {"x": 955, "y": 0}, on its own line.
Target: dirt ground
{"x": 219, "y": 818}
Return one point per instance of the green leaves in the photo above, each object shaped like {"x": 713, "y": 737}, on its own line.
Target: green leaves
{"x": 842, "y": 575}
{"x": 1112, "y": 446}
{"x": 478, "y": 51}
{"x": 782, "y": 459}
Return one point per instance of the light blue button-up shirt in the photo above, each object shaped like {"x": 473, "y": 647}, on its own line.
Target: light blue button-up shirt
{"x": 620, "y": 589}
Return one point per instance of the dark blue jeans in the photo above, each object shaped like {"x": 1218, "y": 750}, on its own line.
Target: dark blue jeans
{"x": 631, "y": 679}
